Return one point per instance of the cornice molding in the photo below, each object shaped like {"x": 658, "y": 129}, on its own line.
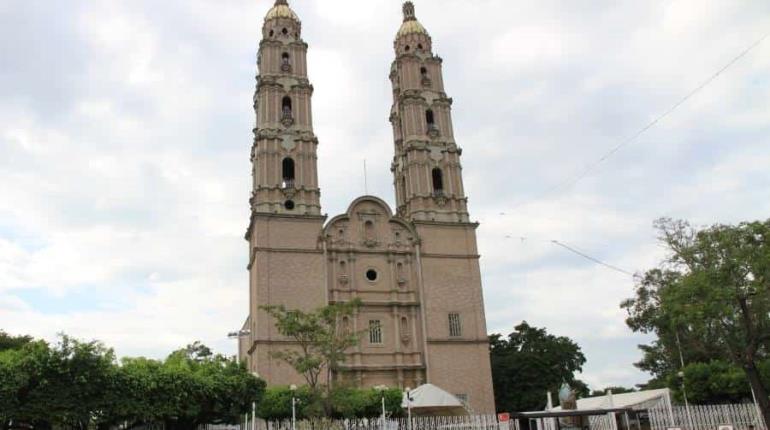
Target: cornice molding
{"x": 458, "y": 224}
{"x": 452, "y": 340}
{"x": 452, "y": 256}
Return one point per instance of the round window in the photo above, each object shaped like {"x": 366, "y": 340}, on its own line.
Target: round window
{"x": 289, "y": 205}
{"x": 371, "y": 275}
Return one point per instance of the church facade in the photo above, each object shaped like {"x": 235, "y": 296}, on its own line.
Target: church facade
{"x": 416, "y": 270}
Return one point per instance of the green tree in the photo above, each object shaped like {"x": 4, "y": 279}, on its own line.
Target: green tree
{"x": 711, "y": 296}
{"x": 346, "y": 402}
{"x": 66, "y": 385}
{"x": 529, "y": 363}
{"x": 193, "y": 386}
{"x": 12, "y": 342}
{"x": 614, "y": 389}
{"x": 320, "y": 338}
{"x": 79, "y": 385}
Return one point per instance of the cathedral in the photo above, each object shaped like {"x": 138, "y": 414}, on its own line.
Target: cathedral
{"x": 416, "y": 270}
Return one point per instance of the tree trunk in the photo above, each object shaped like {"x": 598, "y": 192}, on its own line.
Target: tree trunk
{"x": 760, "y": 392}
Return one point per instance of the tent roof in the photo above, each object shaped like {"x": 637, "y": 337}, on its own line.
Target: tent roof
{"x": 431, "y": 396}
{"x": 635, "y": 400}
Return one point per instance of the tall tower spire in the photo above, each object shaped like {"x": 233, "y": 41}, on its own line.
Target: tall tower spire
{"x": 284, "y": 152}
{"x": 426, "y": 166}
{"x": 284, "y": 259}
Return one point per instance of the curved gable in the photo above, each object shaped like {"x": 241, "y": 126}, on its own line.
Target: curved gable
{"x": 369, "y": 223}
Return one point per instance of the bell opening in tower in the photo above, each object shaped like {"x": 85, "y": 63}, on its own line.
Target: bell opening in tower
{"x": 438, "y": 182}
{"x": 287, "y": 168}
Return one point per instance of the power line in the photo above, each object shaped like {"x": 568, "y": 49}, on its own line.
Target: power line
{"x": 592, "y": 166}
{"x": 573, "y": 250}
{"x": 586, "y": 256}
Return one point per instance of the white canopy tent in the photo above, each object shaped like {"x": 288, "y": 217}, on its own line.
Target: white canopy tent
{"x": 428, "y": 399}
{"x": 638, "y": 400}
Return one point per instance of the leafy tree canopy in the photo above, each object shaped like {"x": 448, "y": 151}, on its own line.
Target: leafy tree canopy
{"x": 80, "y": 385}
{"x": 12, "y": 342}
{"x": 710, "y": 299}
{"x": 320, "y": 335}
{"x": 345, "y": 402}
{"x": 613, "y": 389}
{"x": 531, "y": 362}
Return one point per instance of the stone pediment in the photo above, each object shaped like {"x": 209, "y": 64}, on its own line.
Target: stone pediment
{"x": 369, "y": 224}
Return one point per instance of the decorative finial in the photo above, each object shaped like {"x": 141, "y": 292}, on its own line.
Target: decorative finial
{"x": 283, "y": 2}
{"x": 409, "y": 11}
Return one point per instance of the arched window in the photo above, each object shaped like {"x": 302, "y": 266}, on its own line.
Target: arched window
{"x": 343, "y": 268}
{"x": 285, "y": 31}
{"x": 424, "y": 72}
{"x": 404, "y": 327}
{"x": 286, "y": 105}
{"x": 287, "y": 169}
{"x": 429, "y": 118}
{"x": 272, "y": 33}
{"x": 438, "y": 181}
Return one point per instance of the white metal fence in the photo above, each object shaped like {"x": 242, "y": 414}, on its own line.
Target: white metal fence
{"x": 706, "y": 417}
{"x": 220, "y": 427}
{"x": 472, "y": 422}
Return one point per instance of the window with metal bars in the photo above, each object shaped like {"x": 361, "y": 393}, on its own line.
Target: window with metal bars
{"x": 375, "y": 332}
{"x": 455, "y": 328}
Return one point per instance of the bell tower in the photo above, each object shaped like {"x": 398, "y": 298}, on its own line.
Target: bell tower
{"x": 429, "y": 193}
{"x": 286, "y": 262}
{"x": 284, "y": 153}
{"x": 426, "y": 166}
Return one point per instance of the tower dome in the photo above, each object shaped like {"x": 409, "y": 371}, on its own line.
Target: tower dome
{"x": 281, "y": 10}
{"x": 410, "y": 25}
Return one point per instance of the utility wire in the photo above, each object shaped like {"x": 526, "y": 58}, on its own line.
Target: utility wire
{"x": 573, "y": 250}
{"x": 586, "y": 256}
{"x": 592, "y": 166}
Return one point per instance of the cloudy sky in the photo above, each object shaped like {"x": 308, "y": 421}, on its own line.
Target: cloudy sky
{"x": 125, "y": 129}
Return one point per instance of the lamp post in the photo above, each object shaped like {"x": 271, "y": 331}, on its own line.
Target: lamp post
{"x": 409, "y": 407}
{"x": 238, "y": 335}
{"x": 382, "y": 389}
{"x": 681, "y": 375}
{"x": 293, "y": 389}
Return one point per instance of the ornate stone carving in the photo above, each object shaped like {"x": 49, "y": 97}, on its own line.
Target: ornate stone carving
{"x": 253, "y": 201}
{"x": 288, "y": 189}
{"x": 405, "y": 338}
{"x": 287, "y": 119}
{"x": 440, "y": 198}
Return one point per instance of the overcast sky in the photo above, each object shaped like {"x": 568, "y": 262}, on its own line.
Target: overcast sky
{"x": 125, "y": 129}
